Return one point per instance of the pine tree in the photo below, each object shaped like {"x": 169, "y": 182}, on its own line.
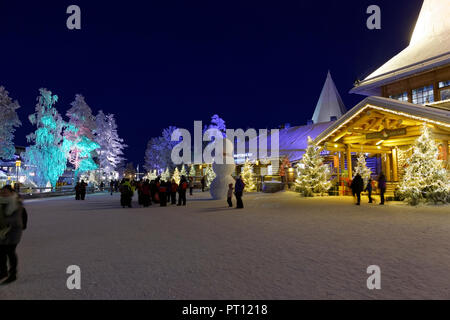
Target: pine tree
{"x": 312, "y": 174}
{"x": 192, "y": 172}
{"x": 425, "y": 179}
{"x": 165, "y": 176}
{"x": 362, "y": 169}
{"x": 151, "y": 175}
{"x": 248, "y": 176}
{"x": 110, "y": 153}
{"x": 80, "y": 132}
{"x": 176, "y": 175}
{"x": 48, "y": 154}
{"x": 9, "y": 120}
{"x": 210, "y": 176}
{"x": 183, "y": 171}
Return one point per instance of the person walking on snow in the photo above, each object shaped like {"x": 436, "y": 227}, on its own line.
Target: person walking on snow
{"x": 238, "y": 191}
{"x": 369, "y": 189}
{"x": 203, "y": 182}
{"x": 182, "y": 188}
{"x": 357, "y": 187}
{"x": 382, "y": 187}
{"x": 173, "y": 192}
{"x": 126, "y": 193}
{"x": 14, "y": 216}
{"x": 230, "y": 195}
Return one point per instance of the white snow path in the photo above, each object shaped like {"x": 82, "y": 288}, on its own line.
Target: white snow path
{"x": 279, "y": 247}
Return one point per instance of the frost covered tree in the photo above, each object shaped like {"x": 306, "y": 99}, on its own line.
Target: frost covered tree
{"x": 158, "y": 154}
{"x": 216, "y": 123}
{"x": 110, "y": 153}
{"x": 48, "y": 154}
{"x": 165, "y": 176}
{"x": 210, "y": 175}
{"x": 248, "y": 176}
{"x": 361, "y": 168}
{"x": 9, "y": 120}
{"x": 425, "y": 179}
{"x": 80, "y": 132}
{"x": 192, "y": 172}
{"x": 312, "y": 174}
{"x": 151, "y": 175}
{"x": 183, "y": 171}
{"x": 176, "y": 175}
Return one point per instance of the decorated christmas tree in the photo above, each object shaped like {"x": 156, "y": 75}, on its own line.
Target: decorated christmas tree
{"x": 165, "y": 176}
{"x": 192, "y": 172}
{"x": 425, "y": 179}
{"x": 248, "y": 176}
{"x": 176, "y": 175}
{"x": 362, "y": 169}
{"x": 183, "y": 171}
{"x": 210, "y": 175}
{"x": 151, "y": 175}
{"x": 312, "y": 174}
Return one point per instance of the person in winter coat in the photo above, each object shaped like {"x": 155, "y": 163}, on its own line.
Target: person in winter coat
{"x": 14, "y": 215}
{"x": 111, "y": 186}
{"x": 230, "y": 195}
{"x": 173, "y": 192}
{"x": 83, "y": 186}
{"x": 239, "y": 187}
{"x": 382, "y": 187}
{"x": 146, "y": 194}
{"x": 77, "y": 191}
{"x": 369, "y": 189}
{"x": 182, "y": 188}
{"x": 126, "y": 193}
{"x": 162, "y": 191}
{"x": 154, "y": 190}
{"x": 357, "y": 187}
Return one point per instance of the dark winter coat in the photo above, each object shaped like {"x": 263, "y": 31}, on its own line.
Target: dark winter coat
{"x": 239, "y": 185}
{"x": 357, "y": 184}
{"x": 17, "y": 221}
{"x": 382, "y": 182}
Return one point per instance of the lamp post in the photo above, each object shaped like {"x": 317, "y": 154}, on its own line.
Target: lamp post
{"x": 18, "y": 164}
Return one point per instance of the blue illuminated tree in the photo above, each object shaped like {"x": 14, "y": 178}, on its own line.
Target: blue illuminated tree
{"x": 8, "y": 122}
{"x": 48, "y": 154}
{"x": 80, "y": 133}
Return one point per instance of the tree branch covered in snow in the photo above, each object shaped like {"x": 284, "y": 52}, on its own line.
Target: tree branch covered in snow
{"x": 9, "y": 120}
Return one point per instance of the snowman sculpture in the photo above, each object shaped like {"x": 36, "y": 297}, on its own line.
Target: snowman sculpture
{"x": 219, "y": 186}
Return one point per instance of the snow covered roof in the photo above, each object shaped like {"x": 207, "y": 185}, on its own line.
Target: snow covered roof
{"x": 294, "y": 140}
{"x": 330, "y": 103}
{"x": 429, "y": 48}
{"x": 400, "y": 108}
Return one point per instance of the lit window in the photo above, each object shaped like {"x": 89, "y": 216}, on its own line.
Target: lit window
{"x": 445, "y": 94}
{"x": 423, "y": 95}
{"x": 401, "y": 97}
{"x": 443, "y": 84}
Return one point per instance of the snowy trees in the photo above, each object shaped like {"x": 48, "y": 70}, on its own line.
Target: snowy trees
{"x": 248, "y": 176}
{"x": 425, "y": 179}
{"x": 48, "y": 154}
{"x": 209, "y": 175}
{"x": 110, "y": 153}
{"x": 159, "y": 150}
{"x": 217, "y": 123}
{"x": 362, "y": 169}
{"x": 165, "y": 176}
{"x": 183, "y": 171}
{"x": 312, "y": 174}
{"x": 176, "y": 175}
{"x": 80, "y": 133}
{"x": 8, "y": 122}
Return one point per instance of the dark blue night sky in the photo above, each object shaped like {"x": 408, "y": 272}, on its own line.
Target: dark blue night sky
{"x": 158, "y": 63}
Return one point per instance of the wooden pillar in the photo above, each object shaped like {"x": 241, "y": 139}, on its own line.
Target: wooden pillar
{"x": 388, "y": 166}
{"x": 394, "y": 165}
{"x": 342, "y": 161}
{"x": 445, "y": 152}
{"x": 349, "y": 162}
{"x": 338, "y": 171}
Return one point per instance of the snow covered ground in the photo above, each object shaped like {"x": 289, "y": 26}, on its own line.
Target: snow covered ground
{"x": 279, "y": 247}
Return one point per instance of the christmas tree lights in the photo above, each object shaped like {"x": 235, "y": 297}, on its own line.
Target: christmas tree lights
{"x": 362, "y": 169}
{"x": 312, "y": 174}
{"x": 425, "y": 179}
{"x": 248, "y": 176}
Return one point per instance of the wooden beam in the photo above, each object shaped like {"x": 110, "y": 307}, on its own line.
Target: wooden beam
{"x": 349, "y": 162}
{"x": 394, "y": 165}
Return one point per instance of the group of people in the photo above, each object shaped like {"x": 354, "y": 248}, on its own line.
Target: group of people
{"x": 358, "y": 187}
{"x": 13, "y": 220}
{"x": 155, "y": 191}
{"x": 80, "y": 190}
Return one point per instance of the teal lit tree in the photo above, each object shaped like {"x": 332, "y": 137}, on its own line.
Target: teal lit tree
{"x": 80, "y": 133}
{"x": 48, "y": 153}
